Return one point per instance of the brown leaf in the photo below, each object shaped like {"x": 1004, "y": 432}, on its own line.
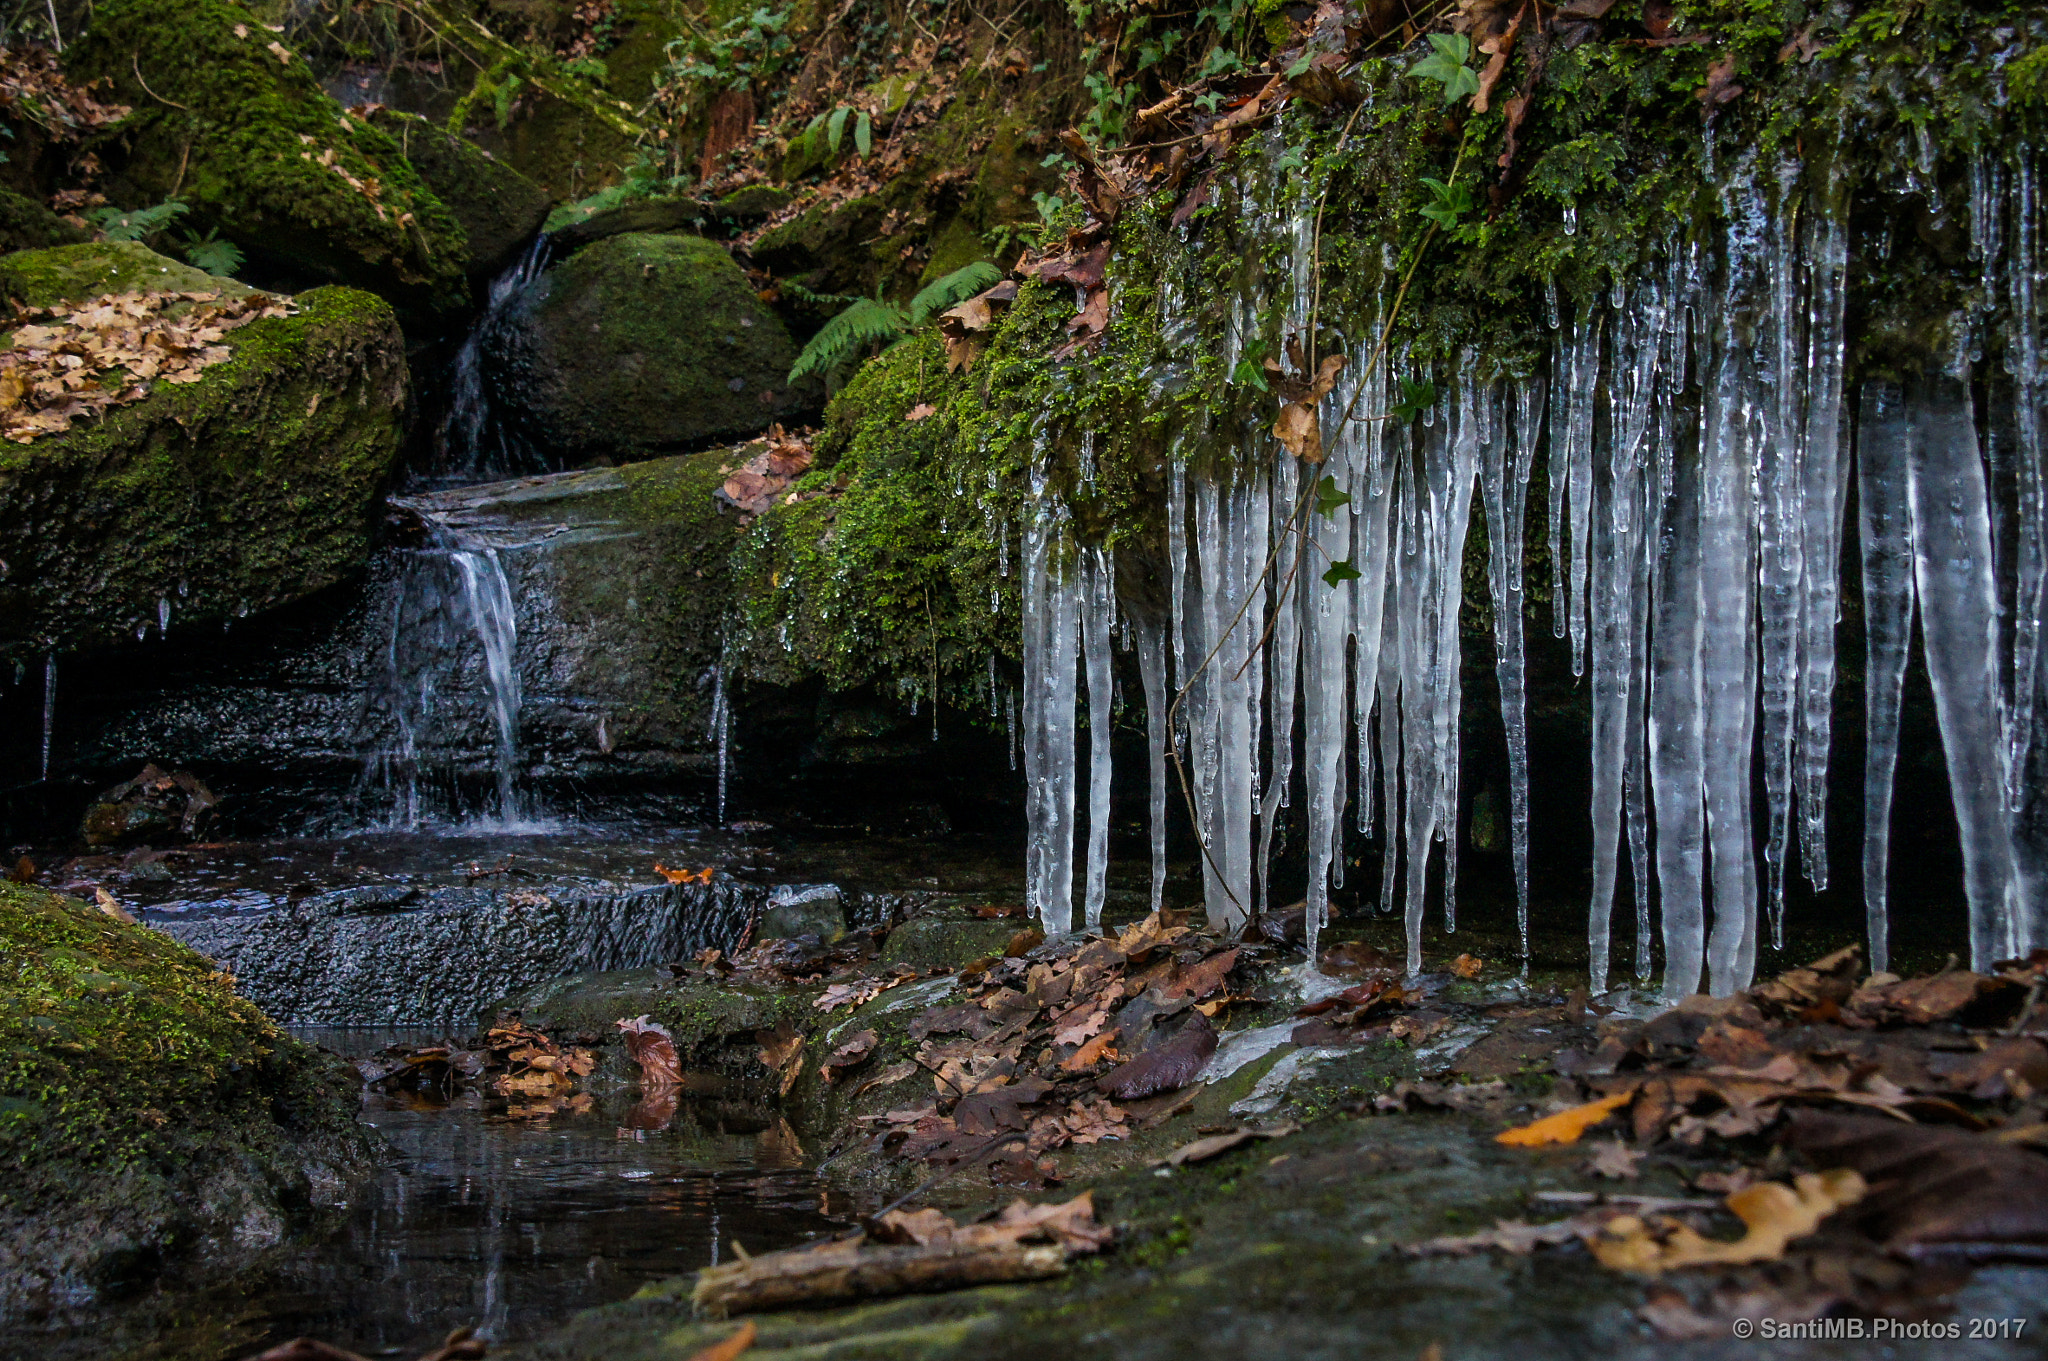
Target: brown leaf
{"x": 1201, "y": 1150}
{"x": 1721, "y": 87}
{"x": 855, "y": 1051}
{"x": 1773, "y": 1214}
{"x": 1467, "y": 966}
{"x": 1615, "y": 1160}
{"x": 920, "y": 412}
{"x": 1166, "y": 1066}
{"x": 1299, "y": 431}
{"x": 652, "y": 1047}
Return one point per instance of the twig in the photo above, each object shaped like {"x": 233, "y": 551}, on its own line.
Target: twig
{"x": 135, "y": 63}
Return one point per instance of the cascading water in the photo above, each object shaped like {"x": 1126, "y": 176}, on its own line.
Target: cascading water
{"x": 475, "y": 443}
{"x": 1697, "y": 437}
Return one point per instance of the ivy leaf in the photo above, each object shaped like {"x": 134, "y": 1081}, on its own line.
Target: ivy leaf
{"x": 1250, "y": 372}
{"x": 1452, "y": 202}
{"x": 1415, "y": 399}
{"x": 1341, "y": 572}
{"x": 1446, "y": 65}
{"x": 863, "y": 134}
{"x": 1329, "y": 496}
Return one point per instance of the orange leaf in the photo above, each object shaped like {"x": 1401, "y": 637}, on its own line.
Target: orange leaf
{"x": 1566, "y": 1126}
{"x": 731, "y": 1347}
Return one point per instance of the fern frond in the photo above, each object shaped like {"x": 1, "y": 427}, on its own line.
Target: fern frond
{"x": 864, "y": 323}
{"x": 957, "y": 287}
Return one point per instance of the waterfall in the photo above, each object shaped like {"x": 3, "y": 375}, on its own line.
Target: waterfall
{"x": 49, "y": 710}
{"x": 475, "y": 443}
{"x": 1696, "y": 433}
{"x": 450, "y": 672}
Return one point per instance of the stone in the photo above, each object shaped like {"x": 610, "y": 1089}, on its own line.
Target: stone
{"x": 499, "y": 209}
{"x": 235, "y": 124}
{"x": 154, "y": 806}
{"x": 803, "y": 910}
{"x": 250, "y": 488}
{"x": 948, "y": 941}
{"x": 150, "y": 1114}
{"x": 641, "y": 344}
{"x": 27, "y": 225}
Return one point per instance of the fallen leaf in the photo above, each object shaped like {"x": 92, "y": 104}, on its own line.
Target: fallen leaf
{"x": 1165, "y": 1067}
{"x": 1201, "y": 1150}
{"x": 919, "y": 412}
{"x": 1467, "y": 966}
{"x": 1773, "y": 1213}
{"x": 109, "y": 904}
{"x": 1566, "y": 1126}
{"x": 1721, "y": 87}
{"x": 732, "y": 1347}
{"x": 697, "y": 876}
{"x": 650, "y": 1045}
{"x": 780, "y": 1045}
{"x": 1615, "y": 1160}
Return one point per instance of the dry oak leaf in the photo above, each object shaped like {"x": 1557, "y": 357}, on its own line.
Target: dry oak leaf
{"x": 1614, "y": 1159}
{"x": 732, "y": 1347}
{"x": 652, "y": 1047}
{"x": 1467, "y": 966}
{"x": 1566, "y": 1126}
{"x": 920, "y": 412}
{"x": 1774, "y": 1214}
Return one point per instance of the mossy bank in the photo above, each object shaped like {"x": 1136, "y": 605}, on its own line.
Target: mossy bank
{"x": 150, "y": 1119}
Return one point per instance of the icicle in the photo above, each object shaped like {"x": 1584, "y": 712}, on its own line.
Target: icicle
{"x": 1823, "y": 498}
{"x": 1884, "y": 439}
{"x": 1677, "y": 750}
{"x": 1389, "y": 728}
{"x": 1294, "y": 581}
{"x": 1152, "y": 670}
{"x": 49, "y": 709}
{"x": 2030, "y": 389}
{"x": 1098, "y": 610}
{"x": 1578, "y": 456}
{"x": 721, "y": 729}
{"x": 1050, "y": 627}
{"x": 1780, "y": 539}
{"x": 1958, "y": 626}
{"x": 1613, "y": 616}
{"x": 1461, "y": 472}
{"x": 1505, "y": 484}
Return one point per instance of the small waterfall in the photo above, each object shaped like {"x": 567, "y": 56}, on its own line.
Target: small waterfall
{"x": 449, "y": 696}
{"x": 49, "y": 709}
{"x": 476, "y": 444}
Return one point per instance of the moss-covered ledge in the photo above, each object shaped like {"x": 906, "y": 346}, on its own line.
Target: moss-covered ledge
{"x": 148, "y": 1115}
{"x": 247, "y": 489}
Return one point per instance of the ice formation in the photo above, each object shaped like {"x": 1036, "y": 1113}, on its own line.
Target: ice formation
{"x": 1701, "y": 453}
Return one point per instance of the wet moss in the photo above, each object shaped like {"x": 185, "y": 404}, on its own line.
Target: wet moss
{"x": 143, "y": 1103}
{"x": 205, "y": 501}
{"x": 249, "y": 138}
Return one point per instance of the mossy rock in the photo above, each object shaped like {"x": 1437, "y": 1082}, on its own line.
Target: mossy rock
{"x": 27, "y": 225}
{"x": 44, "y": 278}
{"x": 145, "y": 1107}
{"x": 233, "y": 122}
{"x": 948, "y": 941}
{"x": 249, "y": 488}
{"x": 643, "y": 343}
{"x": 499, "y": 209}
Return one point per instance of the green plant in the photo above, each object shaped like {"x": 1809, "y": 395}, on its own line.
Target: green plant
{"x": 137, "y": 224}
{"x": 1447, "y": 66}
{"x": 210, "y": 253}
{"x": 872, "y": 323}
{"x": 827, "y": 132}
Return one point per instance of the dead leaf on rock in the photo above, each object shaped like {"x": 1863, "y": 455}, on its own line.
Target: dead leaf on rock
{"x": 1615, "y": 1160}
{"x": 1566, "y": 1126}
{"x": 1214, "y": 1145}
{"x": 1467, "y": 966}
{"x": 1773, "y": 1214}
{"x": 732, "y": 1348}
{"x": 1165, "y": 1067}
{"x": 652, "y": 1047}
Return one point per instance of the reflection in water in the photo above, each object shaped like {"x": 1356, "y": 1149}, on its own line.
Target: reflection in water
{"x": 484, "y": 1219}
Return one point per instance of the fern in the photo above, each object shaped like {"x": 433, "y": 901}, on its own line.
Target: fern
{"x": 870, "y": 321}
{"x": 115, "y": 224}
{"x": 866, "y": 322}
{"x": 217, "y": 257}
{"x": 957, "y": 287}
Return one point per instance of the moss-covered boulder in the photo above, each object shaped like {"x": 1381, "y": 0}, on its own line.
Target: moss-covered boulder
{"x": 643, "y": 343}
{"x": 248, "y": 488}
{"x": 499, "y": 209}
{"x": 233, "y": 122}
{"x": 147, "y": 1113}
{"x": 27, "y": 225}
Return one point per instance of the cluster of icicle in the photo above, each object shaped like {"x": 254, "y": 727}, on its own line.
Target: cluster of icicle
{"x": 1700, "y": 450}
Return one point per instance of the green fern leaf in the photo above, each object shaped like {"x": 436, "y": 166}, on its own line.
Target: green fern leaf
{"x": 960, "y": 285}
{"x": 864, "y": 323}
{"x": 835, "y": 128}
{"x": 863, "y": 135}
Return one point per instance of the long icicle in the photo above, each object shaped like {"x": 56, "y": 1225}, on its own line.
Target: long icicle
{"x": 1884, "y": 440}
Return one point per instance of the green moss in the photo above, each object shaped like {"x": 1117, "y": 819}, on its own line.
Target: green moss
{"x": 27, "y": 225}
{"x": 640, "y": 343}
{"x": 141, "y": 1098}
{"x": 248, "y": 488}
{"x": 498, "y": 209}
{"x": 44, "y": 278}
{"x": 259, "y": 149}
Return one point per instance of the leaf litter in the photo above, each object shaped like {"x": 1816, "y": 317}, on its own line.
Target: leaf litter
{"x": 73, "y": 363}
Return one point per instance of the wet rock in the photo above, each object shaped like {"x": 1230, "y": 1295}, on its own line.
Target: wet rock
{"x": 235, "y": 123}
{"x": 803, "y": 910}
{"x": 154, "y": 806}
{"x": 639, "y": 344}
{"x": 948, "y": 941}
{"x": 27, "y": 225}
{"x": 204, "y": 501}
{"x": 498, "y": 209}
{"x": 149, "y": 1113}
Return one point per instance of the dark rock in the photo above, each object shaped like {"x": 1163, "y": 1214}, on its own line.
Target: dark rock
{"x": 640, "y": 344}
{"x": 946, "y": 941}
{"x": 27, "y": 225}
{"x": 499, "y": 209}
{"x": 576, "y": 226}
{"x": 154, "y": 806}
{"x": 244, "y": 490}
